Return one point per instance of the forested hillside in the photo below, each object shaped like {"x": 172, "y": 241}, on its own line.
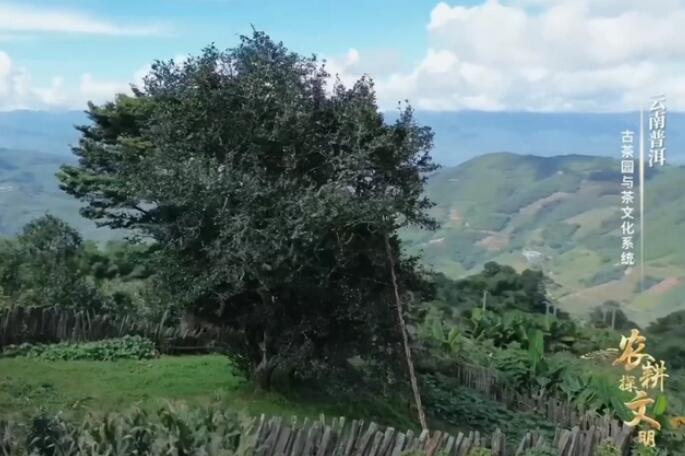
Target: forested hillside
{"x": 495, "y": 207}
{"x": 565, "y": 210}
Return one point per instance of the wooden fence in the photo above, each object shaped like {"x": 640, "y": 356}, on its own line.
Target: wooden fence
{"x": 49, "y": 325}
{"x": 280, "y": 437}
{"x": 43, "y": 325}
{"x": 488, "y": 382}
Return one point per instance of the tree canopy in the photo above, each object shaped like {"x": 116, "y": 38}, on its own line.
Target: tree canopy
{"x": 42, "y": 266}
{"x": 268, "y": 193}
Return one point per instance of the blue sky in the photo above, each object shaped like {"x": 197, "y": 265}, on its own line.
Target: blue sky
{"x": 185, "y": 26}
{"x": 538, "y": 55}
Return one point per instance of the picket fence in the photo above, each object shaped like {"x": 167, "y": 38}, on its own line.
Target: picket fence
{"x": 488, "y": 382}
{"x": 50, "y": 325}
{"x": 278, "y": 437}
{"x": 282, "y": 437}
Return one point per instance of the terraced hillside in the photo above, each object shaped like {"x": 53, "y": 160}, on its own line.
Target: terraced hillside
{"x": 29, "y": 189}
{"x": 561, "y": 214}
{"x": 494, "y": 207}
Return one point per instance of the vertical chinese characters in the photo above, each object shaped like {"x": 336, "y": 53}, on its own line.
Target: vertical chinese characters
{"x": 633, "y": 355}
{"x": 657, "y": 131}
{"x": 627, "y": 198}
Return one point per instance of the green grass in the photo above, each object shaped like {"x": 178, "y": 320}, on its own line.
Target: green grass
{"x": 27, "y": 385}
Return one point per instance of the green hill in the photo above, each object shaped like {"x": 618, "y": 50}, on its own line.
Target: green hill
{"x": 564, "y": 213}
{"x": 29, "y": 189}
{"x": 491, "y": 208}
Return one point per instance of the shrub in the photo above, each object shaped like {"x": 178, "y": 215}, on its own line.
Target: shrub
{"x": 178, "y": 431}
{"x": 541, "y": 451}
{"x": 646, "y": 451}
{"x": 127, "y": 347}
{"x": 608, "y": 449}
{"x": 480, "y": 452}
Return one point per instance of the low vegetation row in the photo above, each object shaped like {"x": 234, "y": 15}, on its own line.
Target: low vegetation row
{"x": 180, "y": 430}
{"x": 127, "y": 347}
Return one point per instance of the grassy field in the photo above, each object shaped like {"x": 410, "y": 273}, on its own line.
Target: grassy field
{"x": 79, "y": 387}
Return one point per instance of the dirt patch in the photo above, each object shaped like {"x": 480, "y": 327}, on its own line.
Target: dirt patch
{"x": 665, "y": 285}
{"x": 494, "y": 242}
{"x": 534, "y": 207}
{"x": 455, "y": 216}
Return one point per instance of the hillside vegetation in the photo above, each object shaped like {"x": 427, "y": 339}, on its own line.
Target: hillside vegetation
{"x": 493, "y": 207}
{"x": 29, "y": 189}
{"x": 498, "y": 206}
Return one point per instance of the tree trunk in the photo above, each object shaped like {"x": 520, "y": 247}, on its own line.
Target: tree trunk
{"x": 485, "y": 299}
{"x": 405, "y": 338}
{"x": 263, "y": 371}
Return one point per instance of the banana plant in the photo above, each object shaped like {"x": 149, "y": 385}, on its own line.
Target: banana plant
{"x": 450, "y": 340}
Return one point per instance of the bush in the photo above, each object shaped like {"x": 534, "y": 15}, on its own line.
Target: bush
{"x": 171, "y": 430}
{"x": 127, "y": 347}
{"x": 608, "y": 449}
{"x": 647, "y": 451}
{"x": 480, "y": 452}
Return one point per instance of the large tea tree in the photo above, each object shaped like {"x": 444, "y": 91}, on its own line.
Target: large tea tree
{"x": 269, "y": 196}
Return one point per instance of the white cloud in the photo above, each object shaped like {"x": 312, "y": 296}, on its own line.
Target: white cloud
{"x": 91, "y": 89}
{"x": 19, "y": 18}
{"x": 594, "y": 55}
{"x": 352, "y": 57}
{"x": 545, "y": 55}
{"x": 18, "y": 91}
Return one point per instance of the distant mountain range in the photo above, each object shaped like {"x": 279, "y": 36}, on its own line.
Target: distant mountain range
{"x": 40, "y": 131}
{"x": 459, "y": 136}
{"x": 547, "y": 205}
{"x": 29, "y": 189}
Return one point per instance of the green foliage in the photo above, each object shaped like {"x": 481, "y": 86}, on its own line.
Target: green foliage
{"x": 607, "y": 449}
{"x": 606, "y": 274}
{"x": 127, "y": 347}
{"x": 610, "y": 315}
{"x": 505, "y": 289}
{"x": 440, "y": 334}
{"x": 591, "y": 390}
{"x": 121, "y": 260}
{"x": 467, "y": 410}
{"x": 516, "y": 328}
{"x": 48, "y": 265}
{"x": 529, "y": 371}
{"x": 540, "y": 195}
{"x": 171, "y": 430}
{"x": 41, "y": 267}
{"x": 660, "y": 406}
{"x": 559, "y": 235}
{"x": 667, "y": 334}
{"x": 268, "y": 196}
{"x": 640, "y": 450}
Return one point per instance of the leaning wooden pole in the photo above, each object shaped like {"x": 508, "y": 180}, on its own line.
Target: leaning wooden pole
{"x": 405, "y": 338}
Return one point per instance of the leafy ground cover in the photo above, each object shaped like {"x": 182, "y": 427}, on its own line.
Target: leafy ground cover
{"x": 29, "y": 384}
{"x": 128, "y": 347}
